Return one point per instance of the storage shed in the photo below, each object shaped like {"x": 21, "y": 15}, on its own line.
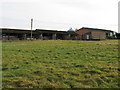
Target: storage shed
{"x": 93, "y": 34}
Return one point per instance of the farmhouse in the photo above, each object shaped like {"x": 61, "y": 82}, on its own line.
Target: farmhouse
{"x": 94, "y": 34}
{"x": 40, "y": 34}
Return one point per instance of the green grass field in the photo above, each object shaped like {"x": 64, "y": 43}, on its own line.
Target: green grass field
{"x": 60, "y": 64}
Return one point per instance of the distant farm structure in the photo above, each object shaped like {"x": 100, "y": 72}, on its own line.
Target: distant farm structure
{"x": 94, "y": 34}
{"x": 42, "y": 34}
{"x": 38, "y": 34}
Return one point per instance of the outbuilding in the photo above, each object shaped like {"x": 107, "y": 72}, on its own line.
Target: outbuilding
{"x": 86, "y": 33}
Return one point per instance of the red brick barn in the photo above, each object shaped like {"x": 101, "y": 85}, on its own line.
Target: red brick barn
{"x": 93, "y": 34}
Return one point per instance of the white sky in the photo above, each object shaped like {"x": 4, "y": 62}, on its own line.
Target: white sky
{"x": 59, "y": 14}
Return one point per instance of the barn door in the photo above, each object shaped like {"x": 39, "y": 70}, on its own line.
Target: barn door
{"x": 87, "y": 37}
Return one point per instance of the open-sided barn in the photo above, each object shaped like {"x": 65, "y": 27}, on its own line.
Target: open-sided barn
{"x": 40, "y": 34}
{"x": 55, "y": 35}
{"x": 15, "y": 34}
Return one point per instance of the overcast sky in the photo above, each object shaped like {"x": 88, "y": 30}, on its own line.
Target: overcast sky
{"x": 59, "y": 14}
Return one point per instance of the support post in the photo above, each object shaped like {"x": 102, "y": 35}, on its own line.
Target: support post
{"x": 69, "y": 36}
{"x": 41, "y": 36}
{"x": 8, "y": 37}
{"x": 25, "y": 36}
{"x": 54, "y": 36}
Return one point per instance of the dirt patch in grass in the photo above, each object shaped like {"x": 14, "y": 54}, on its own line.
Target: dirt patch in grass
{"x": 15, "y": 45}
{"x": 108, "y": 43}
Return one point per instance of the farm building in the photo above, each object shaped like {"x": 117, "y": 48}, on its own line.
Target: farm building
{"x": 40, "y": 34}
{"x": 55, "y": 35}
{"x": 94, "y": 34}
{"x": 15, "y": 34}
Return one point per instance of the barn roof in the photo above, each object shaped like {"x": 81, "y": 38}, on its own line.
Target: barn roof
{"x": 96, "y": 29}
{"x": 55, "y": 31}
{"x": 9, "y": 30}
{"x": 14, "y": 29}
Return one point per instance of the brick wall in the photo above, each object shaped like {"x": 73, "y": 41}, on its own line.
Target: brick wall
{"x": 98, "y": 35}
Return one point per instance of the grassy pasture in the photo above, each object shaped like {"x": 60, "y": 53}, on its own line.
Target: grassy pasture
{"x": 60, "y": 64}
